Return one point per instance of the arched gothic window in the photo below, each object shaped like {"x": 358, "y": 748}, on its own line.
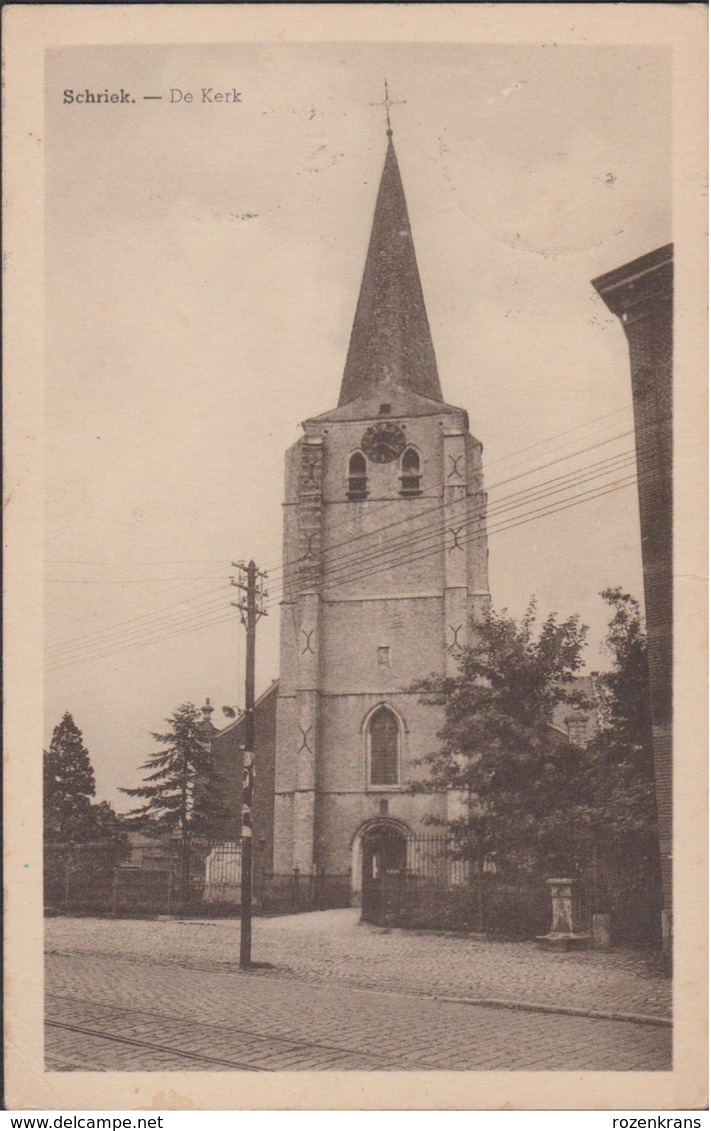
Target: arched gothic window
{"x": 384, "y": 748}
{"x": 357, "y": 477}
{"x": 410, "y": 477}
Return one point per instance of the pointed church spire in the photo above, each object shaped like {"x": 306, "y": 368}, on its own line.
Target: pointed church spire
{"x": 391, "y": 340}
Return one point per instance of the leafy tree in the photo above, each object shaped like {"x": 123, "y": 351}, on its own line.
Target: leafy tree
{"x": 68, "y": 785}
{"x": 536, "y": 800}
{"x": 498, "y": 748}
{"x": 107, "y": 824}
{"x": 182, "y": 793}
{"x": 622, "y": 808}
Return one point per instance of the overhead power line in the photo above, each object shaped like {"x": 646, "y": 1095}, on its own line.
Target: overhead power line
{"x": 273, "y": 573}
{"x": 111, "y": 624}
{"x": 146, "y": 604}
{"x": 158, "y": 614}
{"x": 128, "y": 580}
{"x": 341, "y": 564}
{"x": 566, "y": 432}
{"x": 540, "y": 512}
{"x": 414, "y": 553}
{"x": 139, "y": 565}
{"x": 140, "y": 632}
{"x": 434, "y": 530}
{"x": 431, "y": 491}
{"x": 224, "y": 561}
{"x": 161, "y": 614}
{"x": 143, "y": 644}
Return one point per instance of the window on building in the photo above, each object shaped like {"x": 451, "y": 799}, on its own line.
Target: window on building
{"x": 357, "y": 477}
{"x": 410, "y": 477}
{"x": 384, "y": 743}
{"x": 384, "y": 657}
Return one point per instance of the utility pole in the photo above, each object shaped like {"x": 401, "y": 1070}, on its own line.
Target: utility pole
{"x": 251, "y": 607}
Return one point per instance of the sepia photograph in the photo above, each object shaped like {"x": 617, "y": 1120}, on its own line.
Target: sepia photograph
{"x": 359, "y": 553}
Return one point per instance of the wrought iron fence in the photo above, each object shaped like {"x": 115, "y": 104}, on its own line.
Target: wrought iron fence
{"x": 161, "y": 878}
{"x": 141, "y": 891}
{"x": 81, "y": 877}
{"x": 481, "y": 901}
{"x": 296, "y": 891}
{"x": 433, "y": 889}
{"x": 430, "y": 857}
{"x": 431, "y": 886}
{"x": 202, "y": 877}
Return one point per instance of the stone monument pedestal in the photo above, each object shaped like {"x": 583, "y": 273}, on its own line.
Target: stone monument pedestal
{"x": 565, "y": 933}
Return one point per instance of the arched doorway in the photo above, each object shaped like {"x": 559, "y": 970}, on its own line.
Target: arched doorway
{"x": 384, "y": 851}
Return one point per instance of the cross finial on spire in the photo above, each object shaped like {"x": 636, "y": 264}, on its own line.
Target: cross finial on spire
{"x": 387, "y": 103}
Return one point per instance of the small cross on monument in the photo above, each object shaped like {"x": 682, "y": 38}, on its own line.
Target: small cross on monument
{"x": 387, "y": 103}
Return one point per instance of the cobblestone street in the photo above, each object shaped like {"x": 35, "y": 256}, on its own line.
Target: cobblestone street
{"x": 109, "y": 1014}
{"x": 168, "y": 995}
{"x": 333, "y": 947}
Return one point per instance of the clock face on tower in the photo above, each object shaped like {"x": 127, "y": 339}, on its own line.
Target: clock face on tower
{"x": 383, "y": 442}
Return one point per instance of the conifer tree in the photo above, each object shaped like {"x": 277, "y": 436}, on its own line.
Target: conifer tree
{"x": 182, "y": 793}
{"x": 68, "y": 785}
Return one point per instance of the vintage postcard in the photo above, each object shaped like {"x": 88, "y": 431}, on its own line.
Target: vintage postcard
{"x": 355, "y": 395}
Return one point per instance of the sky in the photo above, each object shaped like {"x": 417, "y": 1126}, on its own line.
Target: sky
{"x": 203, "y": 262}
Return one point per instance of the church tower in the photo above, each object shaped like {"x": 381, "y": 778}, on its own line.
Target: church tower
{"x": 385, "y": 567}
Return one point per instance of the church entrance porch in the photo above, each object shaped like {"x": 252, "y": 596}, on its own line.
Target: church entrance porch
{"x": 384, "y": 849}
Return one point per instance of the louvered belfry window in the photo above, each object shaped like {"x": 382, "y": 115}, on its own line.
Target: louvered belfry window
{"x": 357, "y": 477}
{"x": 410, "y": 478}
{"x": 384, "y": 748}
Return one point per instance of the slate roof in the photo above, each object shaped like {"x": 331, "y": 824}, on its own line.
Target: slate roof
{"x": 390, "y": 342}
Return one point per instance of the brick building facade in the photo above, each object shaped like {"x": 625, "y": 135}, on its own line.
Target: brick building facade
{"x": 641, "y": 294}
{"x": 385, "y": 560}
